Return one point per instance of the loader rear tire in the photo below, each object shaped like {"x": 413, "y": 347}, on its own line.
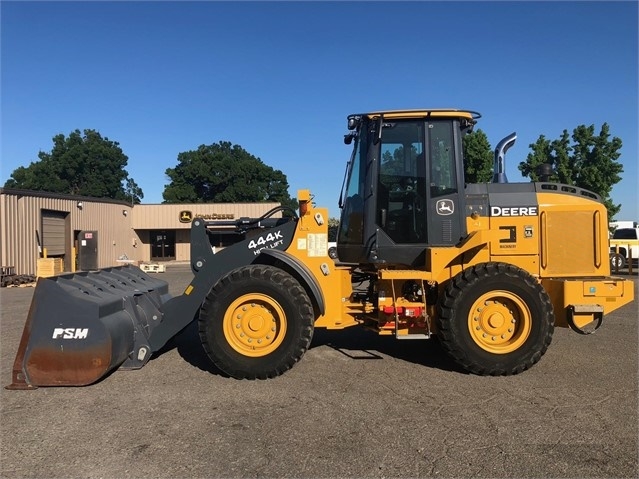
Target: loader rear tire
{"x": 256, "y": 323}
{"x": 495, "y": 319}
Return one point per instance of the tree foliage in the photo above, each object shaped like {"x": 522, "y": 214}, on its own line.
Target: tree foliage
{"x": 83, "y": 164}
{"x": 478, "y": 158}
{"x": 394, "y": 163}
{"x": 333, "y": 226}
{"x": 590, "y": 162}
{"x": 224, "y": 173}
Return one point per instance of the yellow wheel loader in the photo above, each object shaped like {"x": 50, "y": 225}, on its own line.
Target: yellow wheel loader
{"x": 488, "y": 269}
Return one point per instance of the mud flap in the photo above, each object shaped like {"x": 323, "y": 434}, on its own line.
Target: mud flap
{"x": 83, "y": 325}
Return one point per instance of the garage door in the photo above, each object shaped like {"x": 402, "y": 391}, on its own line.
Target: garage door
{"x": 53, "y": 232}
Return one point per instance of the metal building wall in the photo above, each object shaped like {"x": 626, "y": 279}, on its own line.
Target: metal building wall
{"x": 113, "y": 224}
{"x": 168, "y": 216}
{"x": 146, "y": 218}
{"x": 183, "y": 245}
{"x": 21, "y": 226}
{"x": 123, "y": 231}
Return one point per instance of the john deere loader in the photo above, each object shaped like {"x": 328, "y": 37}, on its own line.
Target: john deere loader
{"x": 488, "y": 269}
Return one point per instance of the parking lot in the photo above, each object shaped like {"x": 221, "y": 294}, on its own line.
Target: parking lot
{"x": 357, "y": 405}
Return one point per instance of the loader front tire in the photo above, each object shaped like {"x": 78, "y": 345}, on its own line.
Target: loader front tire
{"x": 256, "y": 323}
{"x": 495, "y": 319}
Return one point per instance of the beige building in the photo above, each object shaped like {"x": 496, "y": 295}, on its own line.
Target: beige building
{"x": 89, "y": 233}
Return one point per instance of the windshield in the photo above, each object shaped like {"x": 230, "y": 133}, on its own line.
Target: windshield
{"x": 625, "y": 233}
{"x": 351, "y": 223}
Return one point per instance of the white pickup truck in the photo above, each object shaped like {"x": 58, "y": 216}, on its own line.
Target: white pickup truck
{"x": 624, "y": 244}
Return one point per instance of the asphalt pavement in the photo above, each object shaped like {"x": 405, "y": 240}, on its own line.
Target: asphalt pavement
{"x": 357, "y": 405}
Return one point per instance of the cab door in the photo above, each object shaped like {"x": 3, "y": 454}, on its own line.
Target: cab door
{"x": 446, "y": 201}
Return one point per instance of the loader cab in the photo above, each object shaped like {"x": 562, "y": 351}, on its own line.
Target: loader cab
{"x": 404, "y": 186}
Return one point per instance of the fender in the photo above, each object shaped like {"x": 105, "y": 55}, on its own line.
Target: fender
{"x": 301, "y": 270}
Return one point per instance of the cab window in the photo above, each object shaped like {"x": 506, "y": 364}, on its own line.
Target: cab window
{"x": 442, "y": 165}
{"x": 401, "y": 184}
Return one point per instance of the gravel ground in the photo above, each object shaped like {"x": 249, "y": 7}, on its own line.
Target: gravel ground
{"x": 357, "y": 405}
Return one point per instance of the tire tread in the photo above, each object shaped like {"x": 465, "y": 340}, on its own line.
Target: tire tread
{"x": 303, "y": 312}
{"x": 448, "y": 310}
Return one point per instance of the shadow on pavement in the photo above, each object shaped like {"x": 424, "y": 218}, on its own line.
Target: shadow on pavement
{"x": 360, "y": 344}
{"x": 189, "y": 347}
{"x": 356, "y": 343}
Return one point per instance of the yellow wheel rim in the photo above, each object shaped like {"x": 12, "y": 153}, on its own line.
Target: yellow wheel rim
{"x": 499, "y": 322}
{"x": 254, "y": 325}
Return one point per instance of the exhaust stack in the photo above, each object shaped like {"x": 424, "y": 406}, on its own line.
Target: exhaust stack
{"x": 503, "y": 146}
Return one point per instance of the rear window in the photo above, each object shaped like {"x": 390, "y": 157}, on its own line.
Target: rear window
{"x": 625, "y": 233}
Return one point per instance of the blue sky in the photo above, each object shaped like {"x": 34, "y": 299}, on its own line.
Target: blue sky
{"x": 279, "y": 78}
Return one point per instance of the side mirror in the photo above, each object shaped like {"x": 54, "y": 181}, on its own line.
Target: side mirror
{"x": 379, "y": 126}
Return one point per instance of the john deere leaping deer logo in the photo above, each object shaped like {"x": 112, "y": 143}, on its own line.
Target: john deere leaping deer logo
{"x": 445, "y": 207}
{"x": 186, "y": 216}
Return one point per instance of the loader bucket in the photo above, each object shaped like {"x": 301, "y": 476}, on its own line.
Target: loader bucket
{"x": 83, "y": 325}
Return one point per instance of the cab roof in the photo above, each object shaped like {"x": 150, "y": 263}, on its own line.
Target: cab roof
{"x": 424, "y": 113}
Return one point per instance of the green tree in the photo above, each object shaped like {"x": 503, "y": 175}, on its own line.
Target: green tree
{"x": 83, "y": 164}
{"x": 132, "y": 191}
{"x": 555, "y": 153}
{"x": 333, "y": 226}
{"x": 590, "y": 162}
{"x": 224, "y": 173}
{"x": 478, "y": 158}
{"x": 395, "y": 163}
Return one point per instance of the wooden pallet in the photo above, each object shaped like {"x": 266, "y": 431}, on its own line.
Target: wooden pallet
{"x": 153, "y": 268}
